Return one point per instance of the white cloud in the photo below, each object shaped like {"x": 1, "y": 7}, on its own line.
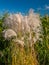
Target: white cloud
{"x": 46, "y": 6}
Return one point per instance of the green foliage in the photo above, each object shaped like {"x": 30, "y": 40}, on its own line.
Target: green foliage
{"x": 42, "y": 48}
{"x": 4, "y": 47}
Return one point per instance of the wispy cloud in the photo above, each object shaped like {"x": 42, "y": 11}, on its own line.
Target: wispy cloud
{"x": 44, "y": 8}
{"x": 47, "y": 7}
{"x": 39, "y": 8}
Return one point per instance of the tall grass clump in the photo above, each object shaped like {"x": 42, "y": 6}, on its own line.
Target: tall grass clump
{"x": 23, "y": 32}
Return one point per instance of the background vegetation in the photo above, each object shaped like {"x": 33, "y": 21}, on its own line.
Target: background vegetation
{"x": 24, "y": 55}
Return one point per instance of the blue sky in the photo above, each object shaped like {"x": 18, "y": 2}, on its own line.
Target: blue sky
{"x": 24, "y": 5}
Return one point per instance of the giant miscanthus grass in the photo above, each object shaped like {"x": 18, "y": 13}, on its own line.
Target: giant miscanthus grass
{"x": 27, "y": 30}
